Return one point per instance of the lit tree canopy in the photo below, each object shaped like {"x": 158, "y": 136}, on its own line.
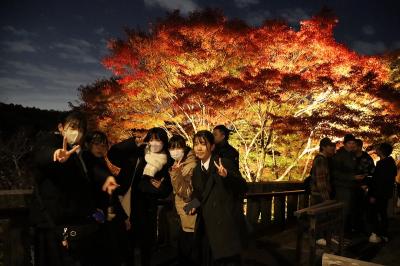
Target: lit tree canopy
{"x": 270, "y": 83}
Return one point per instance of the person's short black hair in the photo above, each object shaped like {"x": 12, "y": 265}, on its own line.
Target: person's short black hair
{"x": 204, "y": 135}
{"x": 359, "y": 143}
{"x": 97, "y": 137}
{"x": 74, "y": 116}
{"x": 325, "y": 142}
{"x": 386, "y": 148}
{"x": 160, "y": 134}
{"x": 349, "y": 137}
{"x": 176, "y": 141}
{"x": 224, "y": 130}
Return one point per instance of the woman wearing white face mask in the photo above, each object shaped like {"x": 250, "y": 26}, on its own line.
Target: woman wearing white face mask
{"x": 73, "y": 135}
{"x": 181, "y": 178}
{"x": 155, "y": 158}
{"x": 63, "y": 200}
{"x": 144, "y": 170}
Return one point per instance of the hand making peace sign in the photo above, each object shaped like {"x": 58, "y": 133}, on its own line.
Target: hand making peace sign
{"x": 177, "y": 165}
{"x": 62, "y": 155}
{"x": 221, "y": 169}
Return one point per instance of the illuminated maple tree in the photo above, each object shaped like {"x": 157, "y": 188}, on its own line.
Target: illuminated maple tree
{"x": 278, "y": 88}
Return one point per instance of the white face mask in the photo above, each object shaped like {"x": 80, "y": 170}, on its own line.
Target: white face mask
{"x": 177, "y": 154}
{"x": 73, "y": 136}
{"x": 156, "y": 146}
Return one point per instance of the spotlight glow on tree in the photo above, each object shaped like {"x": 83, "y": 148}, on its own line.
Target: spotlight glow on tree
{"x": 280, "y": 89}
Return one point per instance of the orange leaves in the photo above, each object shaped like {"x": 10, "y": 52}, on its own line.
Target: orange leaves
{"x": 205, "y": 65}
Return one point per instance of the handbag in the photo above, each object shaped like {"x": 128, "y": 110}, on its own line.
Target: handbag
{"x": 126, "y": 198}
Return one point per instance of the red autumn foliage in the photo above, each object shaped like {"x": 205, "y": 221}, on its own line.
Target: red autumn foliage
{"x": 194, "y": 72}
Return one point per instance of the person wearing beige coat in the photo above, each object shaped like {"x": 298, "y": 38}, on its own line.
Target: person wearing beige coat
{"x": 181, "y": 178}
{"x": 182, "y": 184}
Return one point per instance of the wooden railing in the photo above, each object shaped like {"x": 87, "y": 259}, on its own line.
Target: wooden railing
{"x": 320, "y": 220}
{"x": 274, "y": 203}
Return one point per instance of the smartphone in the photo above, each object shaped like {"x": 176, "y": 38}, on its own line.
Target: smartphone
{"x": 194, "y": 204}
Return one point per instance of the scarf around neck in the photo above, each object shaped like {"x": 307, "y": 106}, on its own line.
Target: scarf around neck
{"x": 154, "y": 162}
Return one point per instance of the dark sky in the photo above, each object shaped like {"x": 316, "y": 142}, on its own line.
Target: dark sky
{"x": 49, "y": 48}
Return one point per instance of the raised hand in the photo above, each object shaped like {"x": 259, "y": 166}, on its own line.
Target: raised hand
{"x": 62, "y": 155}
{"x": 221, "y": 169}
{"x": 177, "y": 165}
{"x": 156, "y": 183}
{"x": 110, "y": 185}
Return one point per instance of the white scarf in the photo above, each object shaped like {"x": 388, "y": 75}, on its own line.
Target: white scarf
{"x": 154, "y": 162}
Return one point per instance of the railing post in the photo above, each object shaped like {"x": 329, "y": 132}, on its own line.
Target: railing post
{"x": 279, "y": 211}
{"x": 266, "y": 205}
{"x": 253, "y": 209}
{"x": 312, "y": 240}
{"x": 302, "y": 224}
{"x": 292, "y": 202}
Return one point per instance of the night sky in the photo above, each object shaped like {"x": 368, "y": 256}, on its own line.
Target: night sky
{"x": 49, "y": 48}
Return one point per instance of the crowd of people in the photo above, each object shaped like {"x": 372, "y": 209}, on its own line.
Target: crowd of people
{"x": 350, "y": 175}
{"x": 97, "y": 205}
{"x": 85, "y": 212}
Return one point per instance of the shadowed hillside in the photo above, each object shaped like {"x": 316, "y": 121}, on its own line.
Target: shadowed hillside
{"x": 18, "y": 128}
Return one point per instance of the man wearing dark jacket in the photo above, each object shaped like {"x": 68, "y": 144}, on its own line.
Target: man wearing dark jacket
{"x": 344, "y": 173}
{"x": 320, "y": 172}
{"x": 365, "y": 168}
{"x": 222, "y": 147}
{"x": 380, "y": 191}
{"x": 63, "y": 207}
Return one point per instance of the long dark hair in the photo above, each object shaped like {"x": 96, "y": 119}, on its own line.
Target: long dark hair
{"x": 160, "y": 134}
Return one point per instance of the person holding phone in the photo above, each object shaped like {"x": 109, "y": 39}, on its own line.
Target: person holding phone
{"x": 218, "y": 187}
{"x": 181, "y": 178}
{"x": 113, "y": 246}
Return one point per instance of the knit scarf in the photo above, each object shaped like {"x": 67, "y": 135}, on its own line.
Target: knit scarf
{"x": 154, "y": 162}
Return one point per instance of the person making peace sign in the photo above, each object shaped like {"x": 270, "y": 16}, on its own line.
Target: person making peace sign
{"x": 181, "y": 178}
{"x": 63, "y": 194}
{"x": 217, "y": 185}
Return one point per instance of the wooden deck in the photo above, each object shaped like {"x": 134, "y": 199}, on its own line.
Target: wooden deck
{"x": 280, "y": 249}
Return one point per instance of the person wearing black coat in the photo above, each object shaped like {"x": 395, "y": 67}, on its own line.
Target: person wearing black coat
{"x": 218, "y": 186}
{"x": 380, "y": 191}
{"x": 345, "y": 180}
{"x": 364, "y": 166}
{"x": 222, "y": 147}
{"x": 147, "y": 186}
{"x": 114, "y": 245}
{"x": 63, "y": 210}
